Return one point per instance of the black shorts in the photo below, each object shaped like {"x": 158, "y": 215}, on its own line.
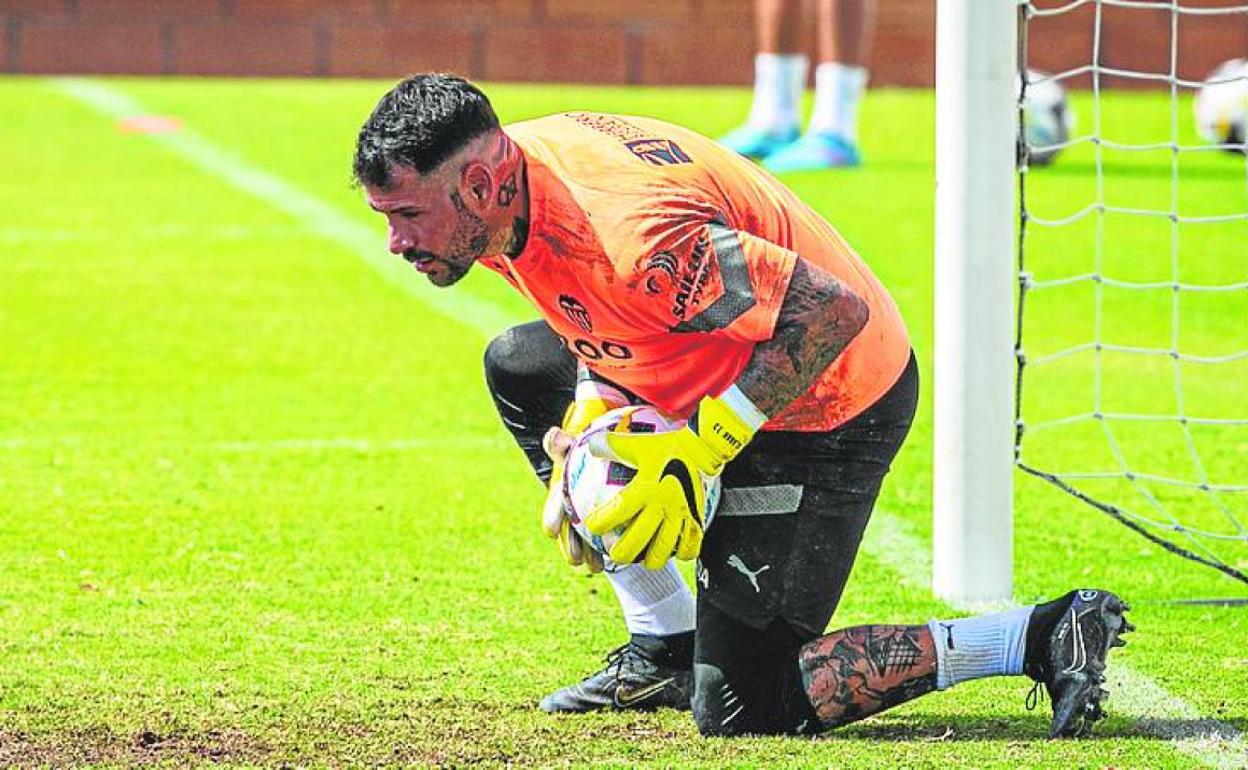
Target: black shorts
{"x": 793, "y": 512}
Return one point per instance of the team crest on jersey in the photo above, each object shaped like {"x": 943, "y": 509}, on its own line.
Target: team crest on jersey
{"x": 658, "y": 152}
{"x": 576, "y": 312}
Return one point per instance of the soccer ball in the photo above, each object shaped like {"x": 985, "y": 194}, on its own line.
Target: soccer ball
{"x": 590, "y": 481}
{"x": 1048, "y": 120}
{"x": 1222, "y": 107}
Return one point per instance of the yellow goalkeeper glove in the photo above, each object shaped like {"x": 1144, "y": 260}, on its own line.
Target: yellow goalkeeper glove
{"x": 663, "y": 508}
{"x": 554, "y": 520}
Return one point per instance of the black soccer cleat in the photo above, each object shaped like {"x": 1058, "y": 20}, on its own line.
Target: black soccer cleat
{"x": 1070, "y": 663}
{"x": 630, "y": 680}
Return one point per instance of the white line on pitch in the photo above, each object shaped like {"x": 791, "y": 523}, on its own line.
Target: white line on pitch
{"x": 890, "y": 541}
{"x": 1223, "y": 746}
{"x": 18, "y": 236}
{"x": 30, "y": 442}
{"x": 316, "y": 215}
{"x": 360, "y": 444}
{"x": 268, "y": 445}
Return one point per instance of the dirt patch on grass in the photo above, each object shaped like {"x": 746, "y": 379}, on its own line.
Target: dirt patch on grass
{"x": 437, "y": 733}
{"x": 101, "y": 746}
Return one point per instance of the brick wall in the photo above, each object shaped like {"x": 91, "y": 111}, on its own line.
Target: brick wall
{"x": 593, "y": 41}
{"x": 1137, "y": 39}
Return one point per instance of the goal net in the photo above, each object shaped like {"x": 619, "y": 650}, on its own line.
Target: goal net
{"x": 1132, "y": 336}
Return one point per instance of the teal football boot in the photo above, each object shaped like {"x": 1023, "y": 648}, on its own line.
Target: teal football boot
{"x": 814, "y": 151}
{"x": 758, "y": 143}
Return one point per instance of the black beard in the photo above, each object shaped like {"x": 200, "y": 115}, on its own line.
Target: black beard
{"x": 519, "y": 237}
{"x": 468, "y": 242}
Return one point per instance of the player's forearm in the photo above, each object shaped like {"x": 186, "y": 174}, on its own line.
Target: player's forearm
{"x": 819, "y": 317}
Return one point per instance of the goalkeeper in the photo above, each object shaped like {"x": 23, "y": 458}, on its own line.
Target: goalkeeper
{"x": 671, "y": 271}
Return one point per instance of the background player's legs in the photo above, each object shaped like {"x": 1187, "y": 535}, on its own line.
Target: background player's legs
{"x": 844, "y": 31}
{"x": 780, "y": 67}
{"x": 532, "y": 377}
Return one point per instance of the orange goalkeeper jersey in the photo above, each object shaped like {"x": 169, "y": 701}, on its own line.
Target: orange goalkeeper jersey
{"x": 661, "y": 259}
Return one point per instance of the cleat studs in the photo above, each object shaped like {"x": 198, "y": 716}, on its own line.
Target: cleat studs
{"x": 1119, "y": 642}
{"x": 1127, "y": 626}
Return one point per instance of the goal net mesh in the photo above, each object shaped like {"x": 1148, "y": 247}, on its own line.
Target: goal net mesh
{"x": 1132, "y": 341}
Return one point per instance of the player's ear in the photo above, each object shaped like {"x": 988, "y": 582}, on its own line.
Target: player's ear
{"x": 477, "y": 186}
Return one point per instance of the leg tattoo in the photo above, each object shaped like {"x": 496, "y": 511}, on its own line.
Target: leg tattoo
{"x": 853, "y": 673}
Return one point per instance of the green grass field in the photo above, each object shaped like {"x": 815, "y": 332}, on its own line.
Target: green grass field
{"x": 255, "y": 507}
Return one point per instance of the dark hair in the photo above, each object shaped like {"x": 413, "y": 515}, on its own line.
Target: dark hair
{"x": 420, "y": 123}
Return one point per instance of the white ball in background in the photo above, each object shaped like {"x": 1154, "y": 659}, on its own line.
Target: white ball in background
{"x": 1221, "y": 105}
{"x": 1048, "y": 120}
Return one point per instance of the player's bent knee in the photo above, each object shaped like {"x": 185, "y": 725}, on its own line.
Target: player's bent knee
{"x": 503, "y": 354}
{"x": 711, "y": 709}
{"x": 525, "y": 355}
{"x": 761, "y": 699}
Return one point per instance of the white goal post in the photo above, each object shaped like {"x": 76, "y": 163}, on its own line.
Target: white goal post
{"x": 975, "y": 285}
{"x": 1132, "y": 409}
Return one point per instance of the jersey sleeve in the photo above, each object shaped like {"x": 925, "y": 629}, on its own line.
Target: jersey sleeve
{"x": 704, "y": 276}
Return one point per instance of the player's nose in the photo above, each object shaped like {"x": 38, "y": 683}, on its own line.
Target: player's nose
{"x": 400, "y": 242}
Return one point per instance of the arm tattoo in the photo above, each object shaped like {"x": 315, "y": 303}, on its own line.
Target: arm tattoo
{"x": 851, "y": 674}
{"x": 818, "y": 319}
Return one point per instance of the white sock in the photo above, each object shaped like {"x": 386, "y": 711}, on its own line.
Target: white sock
{"x": 838, "y": 90}
{"x": 779, "y": 81}
{"x": 985, "y": 645}
{"x": 655, "y": 602}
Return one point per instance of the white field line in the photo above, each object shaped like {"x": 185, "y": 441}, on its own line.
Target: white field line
{"x": 18, "y": 236}
{"x": 1160, "y": 713}
{"x": 890, "y": 541}
{"x": 263, "y": 446}
{"x": 359, "y": 444}
{"x": 37, "y": 442}
{"x": 319, "y": 217}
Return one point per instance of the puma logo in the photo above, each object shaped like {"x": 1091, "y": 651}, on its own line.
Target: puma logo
{"x": 735, "y": 562}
